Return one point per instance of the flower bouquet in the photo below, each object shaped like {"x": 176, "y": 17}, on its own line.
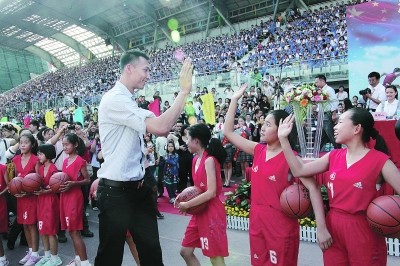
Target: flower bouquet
{"x": 238, "y": 202}
{"x": 308, "y": 106}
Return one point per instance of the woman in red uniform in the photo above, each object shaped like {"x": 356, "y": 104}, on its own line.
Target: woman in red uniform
{"x": 26, "y": 163}
{"x": 71, "y": 199}
{"x": 206, "y": 230}
{"x": 274, "y": 237}
{"x": 354, "y": 174}
{"x": 3, "y": 211}
{"x": 48, "y": 208}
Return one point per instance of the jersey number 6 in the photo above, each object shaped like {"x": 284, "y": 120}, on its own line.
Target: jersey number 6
{"x": 272, "y": 257}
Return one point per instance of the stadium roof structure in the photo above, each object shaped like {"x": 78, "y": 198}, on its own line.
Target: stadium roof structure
{"x": 66, "y": 32}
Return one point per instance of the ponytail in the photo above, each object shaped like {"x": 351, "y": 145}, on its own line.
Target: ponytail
{"x": 380, "y": 144}
{"x": 213, "y": 146}
{"x": 216, "y": 150}
{"x": 361, "y": 116}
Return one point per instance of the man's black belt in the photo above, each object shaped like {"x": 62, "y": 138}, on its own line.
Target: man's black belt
{"x": 121, "y": 184}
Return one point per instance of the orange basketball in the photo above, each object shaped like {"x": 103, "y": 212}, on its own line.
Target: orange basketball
{"x": 295, "y": 201}
{"x": 31, "y": 182}
{"x": 190, "y": 193}
{"x": 15, "y": 186}
{"x": 56, "y": 180}
{"x": 383, "y": 215}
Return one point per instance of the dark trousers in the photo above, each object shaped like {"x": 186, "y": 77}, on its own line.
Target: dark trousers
{"x": 92, "y": 179}
{"x": 85, "y": 192}
{"x": 327, "y": 131}
{"x": 185, "y": 173}
{"x": 160, "y": 176}
{"x": 127, "y": 208}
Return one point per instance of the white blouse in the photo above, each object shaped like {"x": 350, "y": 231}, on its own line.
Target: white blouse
{"x": 389, "y": 108}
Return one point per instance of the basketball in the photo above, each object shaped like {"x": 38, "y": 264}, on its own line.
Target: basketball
{"x": 190, "y": 193}
{"x": 383, "y": 215}
{"x": 295, "y": 201}
{"x": 57, "y": 180}
{"x": 15, "y": 186}
{"x": 31, "y": 183}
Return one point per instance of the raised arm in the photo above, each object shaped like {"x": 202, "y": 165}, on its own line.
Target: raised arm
{"x": 243, "y": 144}
{"x": 297, "y": 167}
{"x": 162, "y": 124}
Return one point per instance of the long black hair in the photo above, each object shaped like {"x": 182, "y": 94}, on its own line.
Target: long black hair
{"x": 361, "y": 116}
{"x": 213, "y": 146}
{"x": 75, "y": 140}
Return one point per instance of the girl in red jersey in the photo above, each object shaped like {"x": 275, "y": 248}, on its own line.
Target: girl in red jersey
{"x": 206, "y": 230}
{"x": 3, "y": 211}
{"x": 26, "y": 163}
{"x": 274, "y": 237}
{"x": 48, "y": 208}
{"x": 71, "y": 199}
{"x": 354, "y": 174}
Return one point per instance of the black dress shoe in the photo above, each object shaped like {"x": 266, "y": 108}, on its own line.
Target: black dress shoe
{"x": 87, "y": 233}
{"x": 61, "y": 237}
{"x": 160, "y": 216}
{"x": 10, "y": 245}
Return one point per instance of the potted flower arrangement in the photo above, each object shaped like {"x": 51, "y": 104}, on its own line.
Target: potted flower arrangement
{"x": 238, "y": 203}
{"x": 308, "y": 106}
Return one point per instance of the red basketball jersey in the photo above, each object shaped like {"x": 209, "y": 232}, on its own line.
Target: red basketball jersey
{"x": 351, "y": 189}
{"x": 269, "y": 178}
{"x": 26, "y": 206}
{"x": 71, "y": 201}
{"x": 274, "y": 237}
{"x": 51, "y": 171}
{"x": 48, "y": 205}
{"x": 3, "y": 203}
{"x": 207, "y": 230}
{"x": 29, "y": 167}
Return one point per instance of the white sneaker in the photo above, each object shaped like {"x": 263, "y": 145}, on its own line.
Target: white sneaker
{"x": 26, "y": 258}
{"x": 42, "y": 261}
{"x": 32, "y": 261}
{"x": 4, "y": 262}
{"x": 54, "y": 262}
{"x": 74, "y": 262}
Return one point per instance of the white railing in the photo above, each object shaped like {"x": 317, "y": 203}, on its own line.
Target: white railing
{"x": 308, "y": 234}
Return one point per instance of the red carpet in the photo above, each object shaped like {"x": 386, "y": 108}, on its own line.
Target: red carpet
{"x": 165, "y": 206}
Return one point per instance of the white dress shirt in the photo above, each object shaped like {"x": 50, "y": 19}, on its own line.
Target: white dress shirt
{"x": 333, "y": 101}
{"x": 122, "y": 125}
{"x": 389, "y": 108}
{"x": 377, "y": 92}
{"x": 342, "y": 95}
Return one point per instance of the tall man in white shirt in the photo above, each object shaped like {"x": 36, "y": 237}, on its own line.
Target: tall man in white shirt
{"x": 125, "y": 203}
{"x": 377, "y": 94}
{"x": 330, "y": 111}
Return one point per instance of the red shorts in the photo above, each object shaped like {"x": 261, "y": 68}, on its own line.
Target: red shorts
{"x": 48, "y": 214}
{"x": 207, "y": 231}
{"x": 26, "y": 210}
{"x": 274, "y": 237}
{"x": 71, "y": 210}
{"x": 354, "y": 243}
